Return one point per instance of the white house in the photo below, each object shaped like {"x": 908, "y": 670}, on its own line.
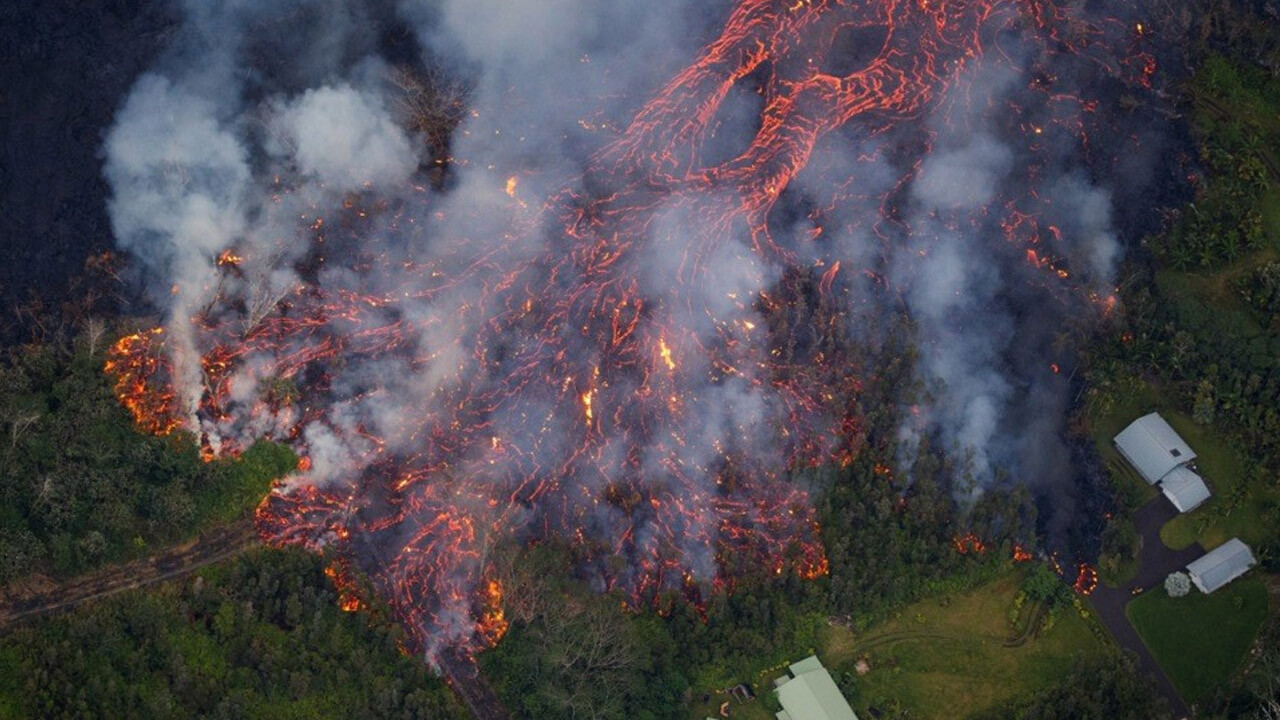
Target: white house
{"x": 1163, "y": 459}
{"x": 1221, "y": 565}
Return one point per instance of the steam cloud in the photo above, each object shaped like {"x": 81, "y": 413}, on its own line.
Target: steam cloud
{"x": 267, "y": 118}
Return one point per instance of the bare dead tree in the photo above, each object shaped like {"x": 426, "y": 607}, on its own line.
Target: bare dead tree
{"x": 430, "y": 102}
{"x": 19, "y": 424}
{"x": 95, "y": 328}
{"x": 525, "y": 595}
{"x": 263, "y": 297}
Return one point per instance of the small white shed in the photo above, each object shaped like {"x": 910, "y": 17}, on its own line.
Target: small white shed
{"x": 1221, "y": 565}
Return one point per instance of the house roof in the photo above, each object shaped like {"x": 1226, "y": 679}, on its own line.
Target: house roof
{"x": 1221, "y": 565}
{"x": 1152, "y": 446}
{"x": 812, "y": 694}
{"x": 1184, "y": 488}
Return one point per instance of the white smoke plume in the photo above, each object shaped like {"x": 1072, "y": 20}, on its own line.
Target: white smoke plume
{"x": 272, "y": 131}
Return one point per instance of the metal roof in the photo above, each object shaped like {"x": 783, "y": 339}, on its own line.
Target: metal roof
{"x": 1221, "y": 565}
{"x": 1151, "y": 446}
{"x": 812, "y": 695}
{"x": 1184, "y": 488}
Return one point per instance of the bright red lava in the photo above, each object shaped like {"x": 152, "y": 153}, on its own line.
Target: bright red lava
{"x": 577, "y": 407}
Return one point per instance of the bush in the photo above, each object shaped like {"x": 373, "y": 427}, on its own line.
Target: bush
{"x": 1044, "y": 586}
{"x": 1178, "y": 584}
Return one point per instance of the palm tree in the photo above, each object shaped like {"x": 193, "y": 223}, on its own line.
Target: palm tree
{"x": 1180, "y": 256}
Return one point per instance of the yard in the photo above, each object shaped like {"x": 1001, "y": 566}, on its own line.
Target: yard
{"x": 1217, "y": 461}
{"x": 1221, "y": 467}
{"x": 1200, "y": 639}
{"x": 949, "y": 660}
{"x": 939, "y": 658}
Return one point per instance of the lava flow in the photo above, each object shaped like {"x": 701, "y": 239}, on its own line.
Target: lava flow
{"x": 576, "y": 391}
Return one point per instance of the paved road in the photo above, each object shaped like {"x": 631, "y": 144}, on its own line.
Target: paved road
{"x": 1155, "y": 563}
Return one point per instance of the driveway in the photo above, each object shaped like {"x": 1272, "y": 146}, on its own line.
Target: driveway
{"x": 1155, "y": 562}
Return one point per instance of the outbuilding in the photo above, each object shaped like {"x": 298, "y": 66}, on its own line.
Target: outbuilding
{"x": 1163, "y": 459}
{"x": 1221, "y": 565}
{"x": 809, "y": 693}
{"x": 1184, "y": 488}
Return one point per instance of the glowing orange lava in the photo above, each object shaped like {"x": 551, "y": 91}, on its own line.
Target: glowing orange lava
{"x": 575, "y": 403}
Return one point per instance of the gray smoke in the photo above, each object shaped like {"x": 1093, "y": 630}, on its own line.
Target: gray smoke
{"x": 266, "y": 121}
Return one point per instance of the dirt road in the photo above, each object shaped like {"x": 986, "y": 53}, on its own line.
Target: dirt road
{"x": 215, "y": 546}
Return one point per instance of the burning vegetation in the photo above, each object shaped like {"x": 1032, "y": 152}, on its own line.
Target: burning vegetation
{"x": 637, "y": 362}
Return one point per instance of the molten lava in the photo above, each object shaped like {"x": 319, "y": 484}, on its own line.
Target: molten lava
{"x": 1086, "y": 579}
{"x": 142, "y": 381}
{"x": 577, "y": 406}
{"x": 969, "y": 544}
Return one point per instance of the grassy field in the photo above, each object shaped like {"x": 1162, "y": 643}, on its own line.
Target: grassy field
{"x": 1200, "y": 639}
{"x": 1211, "y": 529}
{"x": 950, "y": 661}
{"x": 939, "y": 658}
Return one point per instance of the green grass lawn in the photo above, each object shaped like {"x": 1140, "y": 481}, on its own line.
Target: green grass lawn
{"x": 1200, "y": 639}
{"x": 1220, "y": 465}
{"x": 1218, "y": 287}
{"x": 949, "y": 661}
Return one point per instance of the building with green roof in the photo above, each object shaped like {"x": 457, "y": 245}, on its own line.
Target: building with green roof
{"x": 809, "y": 693}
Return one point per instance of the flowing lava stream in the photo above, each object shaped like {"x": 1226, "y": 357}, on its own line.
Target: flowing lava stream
{"x": 576, "y": 408}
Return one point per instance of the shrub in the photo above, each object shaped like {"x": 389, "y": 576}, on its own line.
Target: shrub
{"x": 1177, "y": 584}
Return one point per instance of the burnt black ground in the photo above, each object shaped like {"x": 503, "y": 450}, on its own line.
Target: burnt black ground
{"x": 65, "y": 66}
{"x": 1156, "y": 561}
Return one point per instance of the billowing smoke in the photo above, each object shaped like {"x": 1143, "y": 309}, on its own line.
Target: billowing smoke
{"x": 624, "y": 296}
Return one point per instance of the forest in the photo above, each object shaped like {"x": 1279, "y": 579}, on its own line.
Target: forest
{"x": 262, "y": 635}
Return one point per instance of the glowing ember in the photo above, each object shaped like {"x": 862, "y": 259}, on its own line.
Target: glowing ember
{"x": 1021, "y": 554}
{"x": 1086, "y": 579}
{"x": 666, "y": 355}
{"x": 492, "y": 623}
{"x": 349, "y": 599}
{"x": 968, "y": 543}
